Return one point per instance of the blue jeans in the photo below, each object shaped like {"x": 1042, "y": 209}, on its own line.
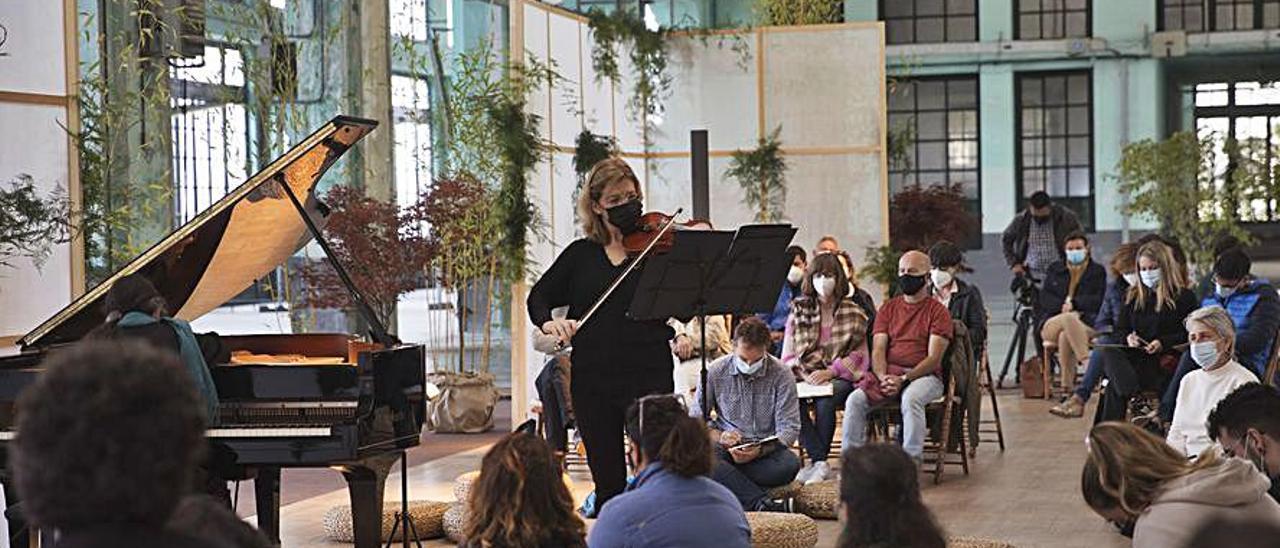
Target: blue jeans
{"x": 1092, "y": 376}
{"x": 749, "y": 481}
{"x": 917, "y": 395}
{"x": 817, "y": 434}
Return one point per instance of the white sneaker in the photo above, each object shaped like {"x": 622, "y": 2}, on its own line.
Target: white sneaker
{"x": 819, "y": 473}
{"x": 804, "y": 473}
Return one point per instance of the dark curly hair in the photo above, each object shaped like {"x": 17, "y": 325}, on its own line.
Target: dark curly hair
{"x": 668, "y": 434}
{"x": 109, "y": 433}
{"x": 880, "y": 488}
{"x": 520, "y": 498}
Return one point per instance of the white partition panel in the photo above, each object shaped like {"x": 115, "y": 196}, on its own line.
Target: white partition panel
{"x": 31, "y": 56}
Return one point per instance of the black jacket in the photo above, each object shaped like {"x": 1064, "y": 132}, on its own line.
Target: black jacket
{"x": 966, "y": 306}
{"x": 1164, "y": 325}
{"x": 1089, "y": 294}
{"x": 868, "y": 305}
{"x": 1015, "y": 235}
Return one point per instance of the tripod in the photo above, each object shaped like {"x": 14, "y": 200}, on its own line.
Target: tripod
{"x": 402, "y": 518}
{"x": 1023, "y": 318}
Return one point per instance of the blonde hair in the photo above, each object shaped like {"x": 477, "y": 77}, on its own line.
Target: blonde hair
{"x": 606, "y": 172}
{"x": 1128, "y": 467}
{"x": 1171, "y": 279}
{"x": 1215, "y": 318}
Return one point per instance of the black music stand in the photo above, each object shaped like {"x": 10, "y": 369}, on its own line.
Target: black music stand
{"x": 714, "y": 272}
{"x": 403, "y": 521}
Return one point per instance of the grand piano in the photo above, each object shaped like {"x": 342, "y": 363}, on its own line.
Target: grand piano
{"x": 336, "y": 402}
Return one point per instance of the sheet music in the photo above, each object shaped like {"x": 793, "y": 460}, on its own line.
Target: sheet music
{"x": 807, "y": 390}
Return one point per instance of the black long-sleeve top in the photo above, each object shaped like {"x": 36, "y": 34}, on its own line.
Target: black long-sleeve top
{"x": 1165, "y": 326}
{"x": 609, "y": 341}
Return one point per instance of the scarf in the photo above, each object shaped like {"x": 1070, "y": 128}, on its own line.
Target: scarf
{"x": 191, "y": 356}
{"x": 1075, "y": 273}
{"x": 848, "y": 332}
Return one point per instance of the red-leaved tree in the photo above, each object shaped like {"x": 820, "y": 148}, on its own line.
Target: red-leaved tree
{"x": 921, "y": 215}
{"x": 384, "y": 248}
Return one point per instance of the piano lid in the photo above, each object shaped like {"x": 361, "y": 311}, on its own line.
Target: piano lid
{"x": 228, "y": 246}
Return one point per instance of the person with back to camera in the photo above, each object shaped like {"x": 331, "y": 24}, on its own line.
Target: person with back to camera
{"x": 880, "y": 500}
{"x": 672, "y": 502}
{"x": 520, "y": 499}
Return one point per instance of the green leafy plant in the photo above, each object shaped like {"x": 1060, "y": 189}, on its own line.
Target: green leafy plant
{"x": 30, "y": 225}
{"x": 589, "y": 149}
{"x": 799, "y": 12}
{"x": 624, "y": 30}
{"x": 881, "y": 266}
{"x": 1174, "y": 181}
{"x": 762, "y": 174}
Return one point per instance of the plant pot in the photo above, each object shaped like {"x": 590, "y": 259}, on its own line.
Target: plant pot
{"x": 464, "y": 405}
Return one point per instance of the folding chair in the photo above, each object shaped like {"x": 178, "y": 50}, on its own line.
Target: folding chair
{"x": 987, "y": 384}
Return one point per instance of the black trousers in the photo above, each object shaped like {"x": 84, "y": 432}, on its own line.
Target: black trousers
{"x": 1128, "y": 371}
{"x": 600, "y": 402}
{"x": 557, "y": 415}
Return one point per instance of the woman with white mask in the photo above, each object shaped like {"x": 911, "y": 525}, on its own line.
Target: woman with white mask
{"x": 1150, "y": 327}
{"x": 825, "y": 343}
{"x": 777, "y": 320}
{"x": 1213, "y": 344}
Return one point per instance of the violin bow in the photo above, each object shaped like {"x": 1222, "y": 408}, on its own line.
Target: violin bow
{"x": 666, "y": 227}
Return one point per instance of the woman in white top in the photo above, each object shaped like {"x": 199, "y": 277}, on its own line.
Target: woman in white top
{"x": 1213, "y": 344}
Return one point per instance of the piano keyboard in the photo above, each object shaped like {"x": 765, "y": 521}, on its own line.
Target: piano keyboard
{"x": 268, "y": 432}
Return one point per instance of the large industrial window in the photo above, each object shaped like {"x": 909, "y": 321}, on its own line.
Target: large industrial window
{"x": 1248, "y": 113}
{"x": 924, "y": 21}
{"x": 1055, "y": 139}
{"x": 1204, "y": 15}
{"x": 1052, "y": 19}
{"x": 935, "y": 120}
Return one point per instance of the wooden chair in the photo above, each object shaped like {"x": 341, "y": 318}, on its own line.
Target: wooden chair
{"x": 988, "y": 385}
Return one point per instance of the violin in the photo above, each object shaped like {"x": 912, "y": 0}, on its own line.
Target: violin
{"x": 653, "y": 226}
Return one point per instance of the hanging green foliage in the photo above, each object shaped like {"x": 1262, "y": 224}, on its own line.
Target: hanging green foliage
{"x": 30, "y": 225}
{"x": 589, "y": 149}
{"x": 521, "y": 148}
{"x": 799, "y": 12}
{"x": 762, "y": 174}
{"x": 624, "y": 30}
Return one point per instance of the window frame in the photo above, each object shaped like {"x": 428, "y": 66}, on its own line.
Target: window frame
{"x": 1233, "y": 112}
{"x": 1209, "y": 16}
{"x": 1017, "y": 21}
{"x": 1020, "y": 196}
{"x": 915, "y": 17}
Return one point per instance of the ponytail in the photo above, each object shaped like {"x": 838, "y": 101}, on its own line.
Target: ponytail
{"x": 687, "y": 448}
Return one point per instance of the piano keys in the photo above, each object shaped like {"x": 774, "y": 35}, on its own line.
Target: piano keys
{"x": 339, "y": 403}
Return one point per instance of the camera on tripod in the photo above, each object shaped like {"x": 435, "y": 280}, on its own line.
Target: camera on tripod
{"x": 1025, "y": 290}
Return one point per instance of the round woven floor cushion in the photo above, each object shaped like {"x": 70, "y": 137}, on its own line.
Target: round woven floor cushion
{"x": 776, "y": 530}
{"x": 819, "y": 500}
{"x": 462, "y": 486}
{"x": 455, "y": 519}
{"x": 964, "y": 542}
{"x": 427, "y": 519}
{"x": 787, "y": 491}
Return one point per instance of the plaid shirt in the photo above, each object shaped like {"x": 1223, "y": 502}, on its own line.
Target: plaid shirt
{"x": 1042, "y": 249}
{"x": 757, "y": 406}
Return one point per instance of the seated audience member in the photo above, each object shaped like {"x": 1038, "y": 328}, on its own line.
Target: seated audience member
{"x": 1246, "y": 424}
{"x": 912, "y": 332}
{"x": 1069, "y": 302}
{"x": 686, "y": 346}
{"x": 856, "y": 292}
{"x": 1124, "y": 273}
{"x": 551, "y": 388}
{"x": 880, "y": 495}
{"x": 1254, "y": 310}
{"x": 1150, "y": 324}
{"x": 777, "y": 320}
{"x": 1134, "y": 479}
{"x": 963, "y": 300}
{"x": 754, "y": 398}
{"x": 826, "y": 244}
{"x": 108, "y": 438}
{"x": 206, "y": 518}
{"x": 1175, "y": 247}
{"x": 1206, "y": 285}
{"x": 825, "y": 343}
{"x": 520, "y": 498}
{"x": 1236, "y": 534}
{"x": 671, "y": 502}
{"x": 1213, "y": 348}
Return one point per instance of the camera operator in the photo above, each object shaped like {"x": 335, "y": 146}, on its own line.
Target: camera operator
{"x": 1036, "y": 238}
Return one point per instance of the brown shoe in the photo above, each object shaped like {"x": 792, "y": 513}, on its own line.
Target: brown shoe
{"x": 1072, "y": 408}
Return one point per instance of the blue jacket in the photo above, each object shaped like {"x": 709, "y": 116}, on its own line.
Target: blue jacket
{"x": 1255, "y": 311}
{"x": 777, "y": 320}
{"x": 1111, "y": 303}
{"x": 662, "y": 509}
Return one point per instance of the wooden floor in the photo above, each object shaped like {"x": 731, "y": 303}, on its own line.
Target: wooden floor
{"x": 1029, "y": 495}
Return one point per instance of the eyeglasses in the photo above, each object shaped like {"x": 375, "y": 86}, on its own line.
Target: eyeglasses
{"x": 642, "y": 401}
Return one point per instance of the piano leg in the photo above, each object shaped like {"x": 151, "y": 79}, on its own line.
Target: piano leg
{"x": 266, "y": 490}
{"x": 366, "y": 483}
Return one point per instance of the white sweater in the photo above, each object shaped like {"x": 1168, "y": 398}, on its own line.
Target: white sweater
{"x": 1198, "y": 394}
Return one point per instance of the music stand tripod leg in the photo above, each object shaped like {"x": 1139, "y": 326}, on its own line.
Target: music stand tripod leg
{"x": 403, "y": 521}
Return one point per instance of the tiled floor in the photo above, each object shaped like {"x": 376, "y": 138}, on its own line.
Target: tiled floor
{"x": 1028, "y": 495}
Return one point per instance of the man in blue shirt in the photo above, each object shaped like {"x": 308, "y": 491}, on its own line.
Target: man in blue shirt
{"x": 777, "y": 320}
{"x": 753, "y": 397}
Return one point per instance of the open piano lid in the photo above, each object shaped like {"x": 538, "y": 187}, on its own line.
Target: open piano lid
{"x": 228, "y": 246}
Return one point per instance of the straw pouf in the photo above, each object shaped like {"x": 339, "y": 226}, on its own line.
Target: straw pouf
{"x": 967, "y": 542}
{"x": 778, "y": 530}
{"x": 819, "y": 500}
{"x": 788, "y": 491}
{"x": 455, "y": 521}
{"x": 427, "y": 517}
{"x": 462, "y": 486}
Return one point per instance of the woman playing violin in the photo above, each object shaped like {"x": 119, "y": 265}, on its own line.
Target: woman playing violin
{"x": 615, "y": 359}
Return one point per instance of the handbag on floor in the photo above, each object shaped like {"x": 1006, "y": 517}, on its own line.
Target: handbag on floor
{"x": 1032, "y": 374}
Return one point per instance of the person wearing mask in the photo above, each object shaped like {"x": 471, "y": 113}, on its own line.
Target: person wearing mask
{"x": 912, "y": 333}
{"x": 825, "y": 344}
{"x": 1135, "y": 480}
{"x": 858, "y": 294}
{"x": 881, "y": 503}
{"x": 1124, "y": 273}
{"x": 962, "y": 299}
{"x": 1213, "y": 347}
{"x": 1246, "y": 424}
{"x": 615, "y": 359}
{"x": 1206, "y": 285}
{"x": 826, "y": 244}
{"x": 1254, "y": 310}
{"x": 1072, "y": 294}
{"x": 522, "y": 498}
{"x": 1150, "y": 324}
{"x": 1037, "y": 237}
{"x": 753, "y": 397}
{"x": 672, "y": 502}
{"x": 687, "y": 349}
{"x": 777, "y": 320}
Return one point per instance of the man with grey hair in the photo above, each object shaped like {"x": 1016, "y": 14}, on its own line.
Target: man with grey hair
{"x": 1213, "y": 344}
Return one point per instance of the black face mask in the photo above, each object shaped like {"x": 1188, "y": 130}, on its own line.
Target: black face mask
{"x": 625, "y": 216}
{"x": 1040, "y": 220}
{"x": 909, "y": 284}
